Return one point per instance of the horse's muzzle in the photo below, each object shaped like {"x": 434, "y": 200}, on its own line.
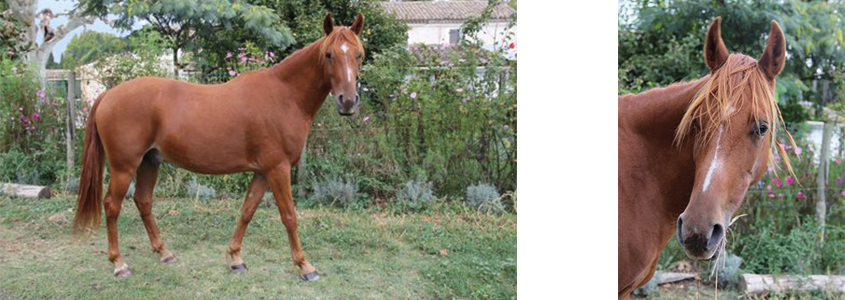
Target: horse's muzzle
{"x": 347, "y": 106}
{"x": 700, "y": 244}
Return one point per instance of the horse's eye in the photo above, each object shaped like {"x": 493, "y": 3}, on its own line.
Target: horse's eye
{"x": 359, "y": 56}
{"x": 761, "y": 128}
{"x": 328, "y": 55}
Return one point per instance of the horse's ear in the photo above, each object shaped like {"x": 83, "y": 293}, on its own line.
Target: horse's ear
{"x": 328, "y": 24}
{"x": 775, "y": 54}
{"x": 358, "y": 25}
{"x": 715, "y": 53}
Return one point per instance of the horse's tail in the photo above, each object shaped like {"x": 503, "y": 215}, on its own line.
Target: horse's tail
{"x": 89, "y": 204}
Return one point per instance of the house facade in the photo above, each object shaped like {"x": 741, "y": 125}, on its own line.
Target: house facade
{"x": 439, "y": 22}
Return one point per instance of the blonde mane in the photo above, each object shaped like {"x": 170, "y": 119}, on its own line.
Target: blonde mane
{"x": 738, "y": 80}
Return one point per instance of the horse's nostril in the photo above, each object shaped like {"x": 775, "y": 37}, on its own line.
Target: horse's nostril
{"x": 356, "y": 98}
{"x": 680, "y": 231}
{"x": 716, "y": 236}
{"x": 340, "y": 98}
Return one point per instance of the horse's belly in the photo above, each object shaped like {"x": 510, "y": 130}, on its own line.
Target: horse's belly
{"x": 207, "y": 159}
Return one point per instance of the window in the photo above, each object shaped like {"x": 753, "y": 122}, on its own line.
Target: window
{"x": 454, "y": 36}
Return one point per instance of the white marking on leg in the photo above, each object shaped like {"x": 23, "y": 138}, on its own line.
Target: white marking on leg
{"x": 715, "y": 162}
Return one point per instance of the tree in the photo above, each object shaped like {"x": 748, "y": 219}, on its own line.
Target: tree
{"x": 90, "y": 46}
{"x": 24, "y": 11}
{"x": 183, "y": 23}
{"x": 305, "y": 19}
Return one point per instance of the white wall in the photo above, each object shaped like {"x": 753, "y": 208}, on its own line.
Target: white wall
{"x": 439, "y": 33}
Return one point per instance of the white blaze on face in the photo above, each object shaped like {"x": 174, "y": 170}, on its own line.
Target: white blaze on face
{"x": 715, "y": 162}
{"x": 345, "y": 49}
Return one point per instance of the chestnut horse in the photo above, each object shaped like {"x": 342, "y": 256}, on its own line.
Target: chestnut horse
{"x": 256, "y": 123}
{"x": 688, "y": 153}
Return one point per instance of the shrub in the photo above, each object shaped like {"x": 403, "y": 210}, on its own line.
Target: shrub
{"x": 200, "y": 191}
{"x": 728, "y": 270}
{"x": 415, "y": 195}
{"x": 335, "y": 191}
{"x": 484, "y": 198}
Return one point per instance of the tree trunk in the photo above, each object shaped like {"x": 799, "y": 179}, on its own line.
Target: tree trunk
{"x": 758, "y": 284}
{"x": 824, "y": 159}
{"x": 176, "y": 62}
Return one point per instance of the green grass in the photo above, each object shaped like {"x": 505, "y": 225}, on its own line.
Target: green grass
{"x": 365, "y": 254}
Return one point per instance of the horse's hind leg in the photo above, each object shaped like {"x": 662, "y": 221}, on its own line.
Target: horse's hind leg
{"x": 257, "y": 188}
{"x": 118, "y": 185}
{"x": 279, "y": 179}
{"x": 144, "y": 185}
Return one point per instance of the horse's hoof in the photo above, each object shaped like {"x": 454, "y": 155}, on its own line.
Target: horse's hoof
{"x": 238, "y": 268}
{"x": 122, "y": 272}
{"x": 169, "y": 259}
{"x": 313, "y": 276}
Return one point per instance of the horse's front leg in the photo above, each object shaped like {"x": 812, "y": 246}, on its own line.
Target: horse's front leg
{"x": 279, "y": 179}
{"x": 257, "y": 188}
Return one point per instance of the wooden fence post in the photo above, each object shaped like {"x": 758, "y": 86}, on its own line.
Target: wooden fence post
{"x": 71, "y": 126}
{"x": 821, "y": 181}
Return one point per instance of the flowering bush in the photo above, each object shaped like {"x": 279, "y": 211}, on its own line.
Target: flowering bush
{"x": 31, "y": 127}
{"x": 248, "y": 58}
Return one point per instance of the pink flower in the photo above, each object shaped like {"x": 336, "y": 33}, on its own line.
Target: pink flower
{"x": 228, "y": 54}
{"x": 843, "y": 193}
{"x": 838, "y": 161}
{"x": 366, "y": 118}
{"x": 36, "y": 116}
{"x": 511, "y": 45}
{"x": 779, "y": 183}
{"x": 41, "y": 94}
{"x": 798, "y": 150}
{"x": 771, "y": 195}
{"x": 11, "y": 53}
{"x": 459, "y": 90}
{"x": 24, "y": 119}
{"x": 839, "y": 180}
{"x": 414, "y": 95}
{"x": 769, "y": 187}
{"x": 789, "y": 180}
{"x": 800, "y": 195}
{"x": 232, "y": 73}
{"x": 780, "y": 195}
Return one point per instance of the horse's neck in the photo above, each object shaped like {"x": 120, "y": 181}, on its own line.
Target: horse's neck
{"x": 302, "y": 71}
{"x": 649, "y": 121}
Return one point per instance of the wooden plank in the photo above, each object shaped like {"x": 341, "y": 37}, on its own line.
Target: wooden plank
{"x": 758, "y": 284}
{"x": 71, "y": 124}
{"x": 25, "y": 191}
{"x": 669, "y": 277}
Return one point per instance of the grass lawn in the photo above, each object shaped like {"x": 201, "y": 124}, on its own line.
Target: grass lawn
{"x": 446, "y": 254}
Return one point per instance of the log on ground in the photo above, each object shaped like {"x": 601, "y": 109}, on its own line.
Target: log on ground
{"x": 758, "y": 284}
{"x": 25, "y": 191}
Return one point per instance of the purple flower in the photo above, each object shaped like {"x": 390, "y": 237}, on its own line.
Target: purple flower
{"x": 11, "y": 52}
{"x": 41, "y": 94}
{"x": 459, "y": 90}
{"x": 839, "y": 180}
{"x": 228, "y": 54}
{"x": 414, "y": 95}
{"x": 843, "y": 193}
{"x": 15, "y": 70}
{"x": 25, "y": 119}
{"x": 366, "y": 118}
{"x": 800, "y": 195}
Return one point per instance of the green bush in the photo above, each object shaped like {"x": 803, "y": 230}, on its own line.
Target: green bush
{"x": 335, "y": 191}
{"x": 484, "y": 198}
{"x": 415, "y": 195}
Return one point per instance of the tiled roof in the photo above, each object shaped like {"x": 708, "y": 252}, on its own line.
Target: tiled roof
{"x": 444, "y": 11}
